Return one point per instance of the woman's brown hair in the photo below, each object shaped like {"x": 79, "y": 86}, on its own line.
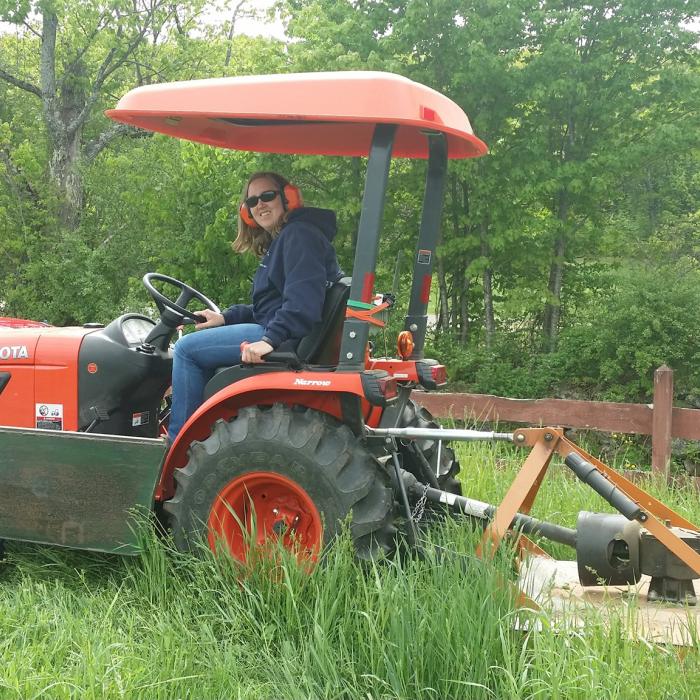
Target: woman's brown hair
{"x": 258, "y": 239}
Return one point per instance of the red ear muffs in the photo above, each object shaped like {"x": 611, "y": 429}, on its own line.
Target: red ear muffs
{"x": 291, "y": 199}
{"x": 246, "y": 216}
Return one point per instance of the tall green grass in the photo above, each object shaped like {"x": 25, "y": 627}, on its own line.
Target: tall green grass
{"x": 166, "y": 625}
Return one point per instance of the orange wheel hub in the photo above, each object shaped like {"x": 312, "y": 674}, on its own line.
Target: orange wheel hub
{"x": 262, "y": 506}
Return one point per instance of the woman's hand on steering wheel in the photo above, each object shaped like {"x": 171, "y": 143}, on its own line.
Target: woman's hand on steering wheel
{"x": 213, "y": 319}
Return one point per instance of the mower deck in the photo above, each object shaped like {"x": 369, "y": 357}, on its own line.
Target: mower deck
{"x": 554, "y": 585}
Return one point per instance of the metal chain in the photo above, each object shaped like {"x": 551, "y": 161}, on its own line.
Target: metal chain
{"x": 419, "y": 509}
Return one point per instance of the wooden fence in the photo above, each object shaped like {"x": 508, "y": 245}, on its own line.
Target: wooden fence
{"x": 660, "y": 420}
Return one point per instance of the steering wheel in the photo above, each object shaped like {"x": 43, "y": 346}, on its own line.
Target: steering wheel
{"x": 174, "y": 313}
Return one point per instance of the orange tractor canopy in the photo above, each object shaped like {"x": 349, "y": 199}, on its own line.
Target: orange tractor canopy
{"x": 330, "y": 114}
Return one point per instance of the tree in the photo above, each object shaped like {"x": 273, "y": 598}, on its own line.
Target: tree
{"x": 77, "y": 65}
{"x": 138, "y": 209}
{"x": 597, "y": 83}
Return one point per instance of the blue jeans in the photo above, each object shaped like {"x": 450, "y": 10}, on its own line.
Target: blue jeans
{"x": 195, "y": 357}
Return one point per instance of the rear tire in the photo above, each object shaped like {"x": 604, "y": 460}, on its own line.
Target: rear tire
{"x": 415, "y": 416}
{"x": 303, "y": 472}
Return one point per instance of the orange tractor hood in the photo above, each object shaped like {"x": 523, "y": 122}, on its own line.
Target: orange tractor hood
{"x": 41, "y": 365}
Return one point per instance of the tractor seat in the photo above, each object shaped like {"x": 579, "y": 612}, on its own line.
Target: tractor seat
{"x": 320, "y": 347}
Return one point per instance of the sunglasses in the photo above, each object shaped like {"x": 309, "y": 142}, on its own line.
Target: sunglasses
{"x": 266, "y": 196}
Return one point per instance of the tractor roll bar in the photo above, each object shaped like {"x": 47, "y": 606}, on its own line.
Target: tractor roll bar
{"x": 428, "y": 238}
{"x": 356, "y": 332}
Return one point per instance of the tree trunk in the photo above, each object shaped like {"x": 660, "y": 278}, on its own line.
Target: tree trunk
{"x": 456, "y": 315}
{"x": 231, "y": 32}
{"x": 443, "y": 320}
{"x": 552, "y": 311}
{"x": 464, "y": 313}
{"x": 356, "y": 169}
{"x": 453, "y": 295}
{"x": 64, "y": 117}
{"x": 487, "y": 277}
{"x": 64, "y": 170}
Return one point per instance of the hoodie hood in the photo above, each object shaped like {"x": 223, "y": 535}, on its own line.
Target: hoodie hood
{"x": 323, "y": 219}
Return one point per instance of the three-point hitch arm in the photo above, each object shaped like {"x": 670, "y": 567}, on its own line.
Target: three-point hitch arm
{"x": 644, "y": 537}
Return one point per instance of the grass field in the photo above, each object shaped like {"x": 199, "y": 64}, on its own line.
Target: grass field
{"x": 163, "y": 625}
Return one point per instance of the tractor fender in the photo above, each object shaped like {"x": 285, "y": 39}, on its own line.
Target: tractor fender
{"x": 322, "y": 391}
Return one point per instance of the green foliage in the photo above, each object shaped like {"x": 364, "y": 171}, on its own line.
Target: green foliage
{"x": 650, "y": 315}
{"x": 636, "y": 319}
{"x": 506, "y": 370}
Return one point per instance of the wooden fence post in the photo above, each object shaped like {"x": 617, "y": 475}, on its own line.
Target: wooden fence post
{"x": 661, "y": 421}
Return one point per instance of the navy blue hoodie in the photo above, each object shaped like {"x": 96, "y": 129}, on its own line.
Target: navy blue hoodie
{"x": 290, "y": 284}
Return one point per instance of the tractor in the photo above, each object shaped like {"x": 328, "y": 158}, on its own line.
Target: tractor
{"x": 322, "y": 433}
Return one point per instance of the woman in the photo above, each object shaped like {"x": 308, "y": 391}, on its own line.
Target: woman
{"x": 297, "y": 264}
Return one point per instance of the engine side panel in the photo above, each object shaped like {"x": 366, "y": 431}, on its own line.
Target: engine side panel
{"x": 56, "y": 378}
{"x": 120, "y": 383}
{"x": 17, "y": 357}
{"x": 74, "y": 378}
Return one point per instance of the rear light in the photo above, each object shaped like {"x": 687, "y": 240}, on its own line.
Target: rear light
{"x": 380, "y": 387}
{"x": 388, "y": 387}
{"x": 439, "y": 374}
{"x": 431, "y": 375}
{"x": 405, "y": 344}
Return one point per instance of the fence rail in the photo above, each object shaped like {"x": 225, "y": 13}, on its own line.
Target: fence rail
{"x": 660, "y": 419}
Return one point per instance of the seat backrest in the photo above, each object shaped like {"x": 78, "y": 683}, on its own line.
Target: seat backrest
{"x": 322, "y": 345}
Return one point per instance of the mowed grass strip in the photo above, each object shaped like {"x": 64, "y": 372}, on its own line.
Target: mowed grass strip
{"x": 165, "y": 625}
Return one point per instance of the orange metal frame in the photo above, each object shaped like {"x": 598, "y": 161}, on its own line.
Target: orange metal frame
{"x": 545, "y": 443}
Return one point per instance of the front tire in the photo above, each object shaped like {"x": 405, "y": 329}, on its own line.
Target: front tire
{"x": 299, "y": 471}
